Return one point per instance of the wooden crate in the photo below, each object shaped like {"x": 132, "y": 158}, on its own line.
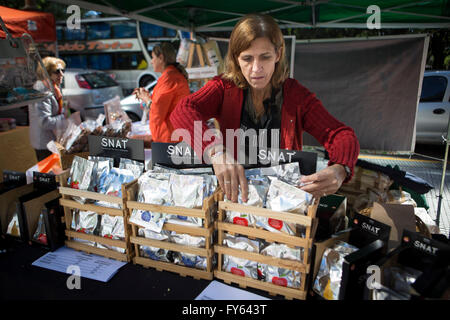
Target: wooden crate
{"x": 69, "y": 204}
{"x": 309, "y": 221}
{"x": 207, "y": 212}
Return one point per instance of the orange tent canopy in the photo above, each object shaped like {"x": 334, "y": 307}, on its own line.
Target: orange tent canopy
{"x": 40, "y": 25}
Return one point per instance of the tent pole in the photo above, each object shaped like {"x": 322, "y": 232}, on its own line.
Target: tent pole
{"x": 441, "y": 189}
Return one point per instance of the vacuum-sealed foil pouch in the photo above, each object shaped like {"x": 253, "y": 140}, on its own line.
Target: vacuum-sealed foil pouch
{"x": 189, "y": 260}
{"x": 281, "y": 276}
{"x": 153, "y": 189}
{"x": 288, "y": 172}
{"x": 13, "y": 226}
{"x": 239, "y": 266}
{"x": 328, "y": 280}
{"x": 161, "y": 236}
{"x": 136, "y": 167}
{"x": 102, "y": 166}
{"x": 40, "y": 235}
{"x": 111, "y": 227}
{"x": 283, "y": 197}
{"x": 257, "y": 192}
{"x": 156, "y": 254}
{"x": 186, "y": 190}
{"x": 80, "y": 176}
{"x": 187, "y": 240}
{"x": 85, "y": 222}
{"x": 111, "y": 185}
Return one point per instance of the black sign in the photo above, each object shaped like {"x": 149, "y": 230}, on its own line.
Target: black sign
{"x": 366, "y": 230}
{"x": 14, "y": 178}
{"x": 45, "y": 181}
{"x": 181, "y": 155}
{"x": 116, "y": 148}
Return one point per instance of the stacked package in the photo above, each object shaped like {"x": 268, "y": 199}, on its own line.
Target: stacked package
{"x": 97, "y": 174}
{"x": 171, "y": 187}
{"x": 275, "y": 188}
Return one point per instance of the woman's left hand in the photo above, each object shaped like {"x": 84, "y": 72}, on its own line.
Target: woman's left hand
{"x": 142, "y": 94}
{"x": 324, "y": 182}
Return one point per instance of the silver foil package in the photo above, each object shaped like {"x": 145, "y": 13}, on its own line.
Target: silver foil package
{"x": 111, "y": 184}
{"x": 283, "y": 197}
{"x": 80, "y": 175}
{"x": 239, "y": 266}
{"x": 257, "y": 192}
{"x": 13, "y": 226}
{"x": 40, "y": 235}
{"x": 153, "y": 189}
{"x": 111, "y": 227}
{"x": 186, "y": 191}
{"x": 85, "y": 222}
{"x": 136, "y": 167}
{"x": 154, "y": 253}
{"x": 288, "y": 172}
{"x": 281, "y": 276}
{"x": 328, "y": 280}
{"x": 189, "y": 260}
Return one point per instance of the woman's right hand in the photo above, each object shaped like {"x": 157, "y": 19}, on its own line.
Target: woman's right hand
{"x": 231, "y": 175}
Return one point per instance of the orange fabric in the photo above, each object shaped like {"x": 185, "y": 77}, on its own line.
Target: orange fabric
{"x": 171, "y": 87}
{"x": 58, "y": 96}
{"x": 50, "y": 164}
{"x": 40, "y": 26}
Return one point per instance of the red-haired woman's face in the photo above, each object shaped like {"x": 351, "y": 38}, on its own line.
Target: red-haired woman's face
{"x": 257, "y": 63}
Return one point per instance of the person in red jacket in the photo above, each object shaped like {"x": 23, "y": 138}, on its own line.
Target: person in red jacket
{"x": 170, "y": 88}
{"x": 256, "y": 93}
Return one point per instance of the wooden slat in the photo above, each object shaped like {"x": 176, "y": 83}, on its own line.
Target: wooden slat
{"x": 266, "y": 235}
{"x": 281, "y": 263}
{"x": 90, "y": 207}
{"x": 196, "y": 231}
{"x": 267, "y": 286}
{"x": 284, "y": 216}
{"x": 184, "y": 271}
{"x": 102, "y": 252}
{"x": 171, "y": 246}
{"x": 196, "y": 213}
{"x": 89, "y": 194}
{"x": 106, "y": 241}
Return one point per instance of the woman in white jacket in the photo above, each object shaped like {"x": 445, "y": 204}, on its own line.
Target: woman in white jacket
{"x": 47, "y": 116}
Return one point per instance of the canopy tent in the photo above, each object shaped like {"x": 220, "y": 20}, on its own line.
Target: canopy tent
{"x": 222, "y": 15}
{"x": 39, "y": 25}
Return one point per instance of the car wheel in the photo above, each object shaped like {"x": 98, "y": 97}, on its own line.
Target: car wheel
{"x": 133, "y": 117}
{"x": 145, "y": 80}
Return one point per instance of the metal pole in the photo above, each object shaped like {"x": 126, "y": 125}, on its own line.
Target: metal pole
{"x": 441, "y": 190}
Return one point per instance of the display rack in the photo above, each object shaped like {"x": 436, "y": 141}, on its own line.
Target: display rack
{"x": 69, "y": 204}
{"x": 306, "y": 242}
{"x": 207, "y": 213}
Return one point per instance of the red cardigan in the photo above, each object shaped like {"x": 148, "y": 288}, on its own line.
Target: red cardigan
{"x": 301, "y": 111}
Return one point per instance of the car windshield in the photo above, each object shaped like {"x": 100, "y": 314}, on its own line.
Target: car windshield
{"x": 99, "y": 80}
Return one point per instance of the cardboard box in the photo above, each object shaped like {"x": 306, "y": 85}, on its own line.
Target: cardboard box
{"x": 371, "y": 237}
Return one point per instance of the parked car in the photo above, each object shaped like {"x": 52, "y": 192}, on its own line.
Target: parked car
{"x": 132, "y": 106}
{"x": 434, "y": 108}
{"x": 87, "y": 89}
